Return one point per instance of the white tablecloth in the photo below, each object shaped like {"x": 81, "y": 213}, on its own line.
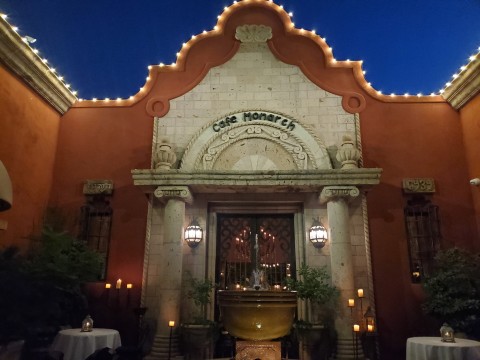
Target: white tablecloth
{"x": 78, "y": 345}
{"x": 432, "y": 348}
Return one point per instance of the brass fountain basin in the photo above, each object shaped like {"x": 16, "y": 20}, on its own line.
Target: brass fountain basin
{"x": 257, "y": 315}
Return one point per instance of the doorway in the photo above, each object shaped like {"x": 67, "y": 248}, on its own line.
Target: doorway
{"x": 248, "y": 242}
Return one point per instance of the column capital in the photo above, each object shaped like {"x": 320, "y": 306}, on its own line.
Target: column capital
{"x": 174, "y": 192}
{"x": 332, "y": 193}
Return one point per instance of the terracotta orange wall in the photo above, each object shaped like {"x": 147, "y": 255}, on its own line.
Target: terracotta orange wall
{"x": 411, "y": 140}
{"x": 107, "y": 144}
{"x": 470, "y": 120}
{"x": 28, "y": 130}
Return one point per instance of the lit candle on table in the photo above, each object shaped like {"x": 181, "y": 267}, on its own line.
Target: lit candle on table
{"x": 370, "y": 328}
{"x": 360, "y": 293}
{"x": 351, "y": 302}
{"x": 118, "y": 284}
{"x": 171, "y": 323}
{"x": 129, "y": 286}
{"x": 108, "y": 286}
{"x": 356, "y": 328}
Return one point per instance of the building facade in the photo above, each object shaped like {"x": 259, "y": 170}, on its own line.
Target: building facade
{"x": 255, "y": 128}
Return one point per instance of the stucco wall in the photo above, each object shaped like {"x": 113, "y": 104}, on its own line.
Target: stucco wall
{"x": 28, "y": 131}
{"x": 470, "y": 121}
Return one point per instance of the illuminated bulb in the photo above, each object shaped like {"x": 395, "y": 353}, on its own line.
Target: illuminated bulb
{"x": 218, "y": 16}
{"x": 369, "y": 84}
{"x": 441, "y": 91}
{"x": 204, "y": 31}
{"x": 94, "y": 99}
{"x": 178, "y": 54}
{"x": 215, "y": 27}
{"x": 293, "y": 24}
{"x": 141, "y": 89}
{"x": 406, "y": 94}
{"x": 324, "y": 39}
{"x": 52, "y": 70}
{"x": 225, "y": 8}
{"x": 184, "y": 44}
{"x": 24, "y": 39}
{"x": 107, "y": 99}
{"x": 331, "y": 49}
{"x": 193, "y": 36}
{"x": 162, "y": 64}
{"x": 419, "y": 94}
{"x": 74, "y": 92}
{"x": 131, "y": 97}
{"x": 67, "y": 86}
{"x": 302, "y": 30}
{"x": 448, "y": 84}
{"x": 45, "y": 61}
{"x": 463, "y": 67}
{"x": 334, "y": 60}
{"x": 348, "y": 60}
{"x": 173, "y": 64}
{"x": 364, "y": 72}
{"x": 392, "y": 94}
{"x": 471, "y": 58}
{"x": 290, "y": 14}
{"x": 119, "y": 99}
{"x": 454, "y": 76}
{"x": 149, "y": 67}
{"x": 4, "y": 16}
{"x": 80, "y": 100}
{"x": 281, "y": 6}
{"x": 147, "y": 78}
{"x": 15, "y": 28}
{"x": 379, "y": 92}
{"x": 60, "y": 78}
{"x": 432, "y": 94}
{"x": 35, "y": 51}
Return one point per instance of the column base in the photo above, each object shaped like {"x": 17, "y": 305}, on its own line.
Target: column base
{"x": 161, "y": 346}
{"x": 348, "y": 349}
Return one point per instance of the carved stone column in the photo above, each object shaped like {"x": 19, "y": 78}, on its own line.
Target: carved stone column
{"x": 169, "y": 290}
{"x": 337, "y": 198}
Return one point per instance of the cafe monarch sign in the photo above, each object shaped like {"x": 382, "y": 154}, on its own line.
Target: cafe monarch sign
{"x": 224, "y": 134}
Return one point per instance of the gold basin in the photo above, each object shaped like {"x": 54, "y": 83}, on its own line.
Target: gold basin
{"x": 257, "y": 315}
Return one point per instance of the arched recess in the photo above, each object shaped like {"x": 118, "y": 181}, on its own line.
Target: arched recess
{"x": 255, "y": 140}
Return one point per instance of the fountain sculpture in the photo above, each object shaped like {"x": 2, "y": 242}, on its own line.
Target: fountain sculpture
{"x": 257, "y": 312}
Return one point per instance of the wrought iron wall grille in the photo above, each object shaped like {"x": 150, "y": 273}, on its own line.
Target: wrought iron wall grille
{"x": 95, "y": 226}
{"x": 422, "y": 223}
{"x": 236, "y": 254}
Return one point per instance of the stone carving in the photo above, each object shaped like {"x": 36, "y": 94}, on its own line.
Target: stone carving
{"x": 418, "y": 186}
{"x": 253, "y": 33}
{"x": 95, "y": 187}
{"x": 178, "y": 192}
{"x": 336, "y": 192}
{"x": 256, "y": 131}
{"x": 164, "y": 156}
{"x": 348, "y": 154}
{"x": 268, "y": 350}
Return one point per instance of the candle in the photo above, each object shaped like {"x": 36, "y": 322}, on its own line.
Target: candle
{"x": 356, "y": 328}
{"x": 171, "y": 323}
{"x": 360, "y": 293}
{"x": 237, "y": 286}
{"x": 108, "y": 286}
{"x": 370, "y": 328}
{"x": 129, "y": 286}
{"x": 351, "y": 302}
{"x": 119, "y": 284}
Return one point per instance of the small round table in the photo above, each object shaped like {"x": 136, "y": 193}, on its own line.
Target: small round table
{"x": 78, "y": 345}
{"x": 433, "y": 348}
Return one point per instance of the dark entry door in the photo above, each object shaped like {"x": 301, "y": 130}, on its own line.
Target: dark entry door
{"x": 247, "y": 242}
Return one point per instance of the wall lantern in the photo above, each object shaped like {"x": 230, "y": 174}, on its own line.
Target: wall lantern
{"x": 5, "y": 189}
{"x": 447, "y": 333}
{"x": 318, "y": 234}
{"x": 193, "y": 234}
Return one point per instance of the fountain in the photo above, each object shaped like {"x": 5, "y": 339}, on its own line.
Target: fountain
{"x": 257, "y": 312}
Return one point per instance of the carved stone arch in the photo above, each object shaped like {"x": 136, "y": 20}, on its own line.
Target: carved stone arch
{"x": 254, "y": 144}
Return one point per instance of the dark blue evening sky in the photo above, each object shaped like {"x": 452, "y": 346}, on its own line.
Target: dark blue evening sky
{"x": 103, "y": 47}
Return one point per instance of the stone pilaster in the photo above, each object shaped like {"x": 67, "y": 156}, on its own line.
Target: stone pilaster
{"x": 169, "y": 290}
{"x": 337, "y": 198}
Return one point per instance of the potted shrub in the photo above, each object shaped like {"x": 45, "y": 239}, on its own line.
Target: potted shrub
{"x": 453, "y": 291}
{"x": 199, "y": 334}
{"x": 317, "y": 333}
{"x": 44, "y": 287}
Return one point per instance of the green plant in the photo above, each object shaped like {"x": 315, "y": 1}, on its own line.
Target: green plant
{"x": 453, "y": 290}
{"x": 200, "y": 291}
{"x": 314, "y": 287}
{"x": 45, "y": 285}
